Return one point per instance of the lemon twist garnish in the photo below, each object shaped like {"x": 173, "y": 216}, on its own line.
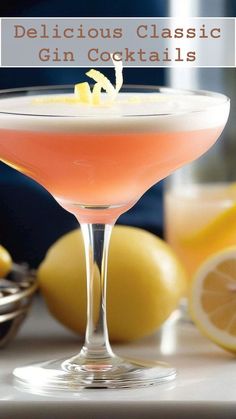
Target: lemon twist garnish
{"x": 118, "y": 73}
{"x": 102, "y": 82}
{"x": 96, "y": 96}
{"x": 83, "y": 93}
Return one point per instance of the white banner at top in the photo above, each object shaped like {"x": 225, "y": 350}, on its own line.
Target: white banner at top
{"x": 138, "y": 42}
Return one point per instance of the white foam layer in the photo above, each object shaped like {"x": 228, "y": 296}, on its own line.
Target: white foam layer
{"x": 130, "y": 112}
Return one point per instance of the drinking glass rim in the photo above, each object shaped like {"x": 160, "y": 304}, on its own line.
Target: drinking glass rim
{"x": 145, "y": 88}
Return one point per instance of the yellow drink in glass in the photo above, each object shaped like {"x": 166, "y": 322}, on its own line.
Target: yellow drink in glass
{"x": 200, "y": 219}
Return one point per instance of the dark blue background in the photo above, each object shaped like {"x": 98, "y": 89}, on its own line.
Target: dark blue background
{"x": 30, "y": 219}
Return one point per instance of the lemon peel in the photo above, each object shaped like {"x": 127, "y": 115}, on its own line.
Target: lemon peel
{"x": 99, "y": 78}
{"x": 102, "y": 82}
{"x": 118, "y": 72}
{"x": 96, "y": 95}
{"x": 56, "y": 99}
{"x": 83, "y": 93}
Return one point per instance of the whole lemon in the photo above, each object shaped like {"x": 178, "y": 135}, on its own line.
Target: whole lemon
{"x": 5, "y": 262}
{"x": 145, "y": 282}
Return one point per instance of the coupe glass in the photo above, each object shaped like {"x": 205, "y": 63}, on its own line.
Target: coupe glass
{"x": 97, "y": 168}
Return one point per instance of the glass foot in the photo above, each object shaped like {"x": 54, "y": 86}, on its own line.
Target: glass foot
{"x": 55, "y": 375}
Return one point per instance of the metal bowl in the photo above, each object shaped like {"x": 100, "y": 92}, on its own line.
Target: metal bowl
{"x": 16, "y": 293}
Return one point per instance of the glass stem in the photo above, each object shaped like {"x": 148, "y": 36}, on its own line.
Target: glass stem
{"x": 96, "y": 241}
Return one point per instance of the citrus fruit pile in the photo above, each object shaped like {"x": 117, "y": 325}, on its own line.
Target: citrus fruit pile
{"x": 145, "y": 282}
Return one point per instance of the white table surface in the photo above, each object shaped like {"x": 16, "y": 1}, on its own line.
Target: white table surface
{"x": 205, "y": 385}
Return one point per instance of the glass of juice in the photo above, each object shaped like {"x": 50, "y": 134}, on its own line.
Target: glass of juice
{"x": 200, "y": 205}
{"x": 97, "y": 161}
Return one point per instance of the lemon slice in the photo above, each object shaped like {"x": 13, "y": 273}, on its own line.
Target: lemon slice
{"x": 213, "y": 298}
{"x": 221, "y": 226}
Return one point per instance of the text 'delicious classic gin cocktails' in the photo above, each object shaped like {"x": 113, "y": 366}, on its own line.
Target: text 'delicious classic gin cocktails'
{"x": 97, "y": 160}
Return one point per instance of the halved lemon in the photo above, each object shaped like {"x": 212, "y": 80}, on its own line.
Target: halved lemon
{"x": 213, "y": 298}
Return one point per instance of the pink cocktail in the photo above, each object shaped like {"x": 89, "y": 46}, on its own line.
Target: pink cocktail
{"x": 97, "y": 161}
